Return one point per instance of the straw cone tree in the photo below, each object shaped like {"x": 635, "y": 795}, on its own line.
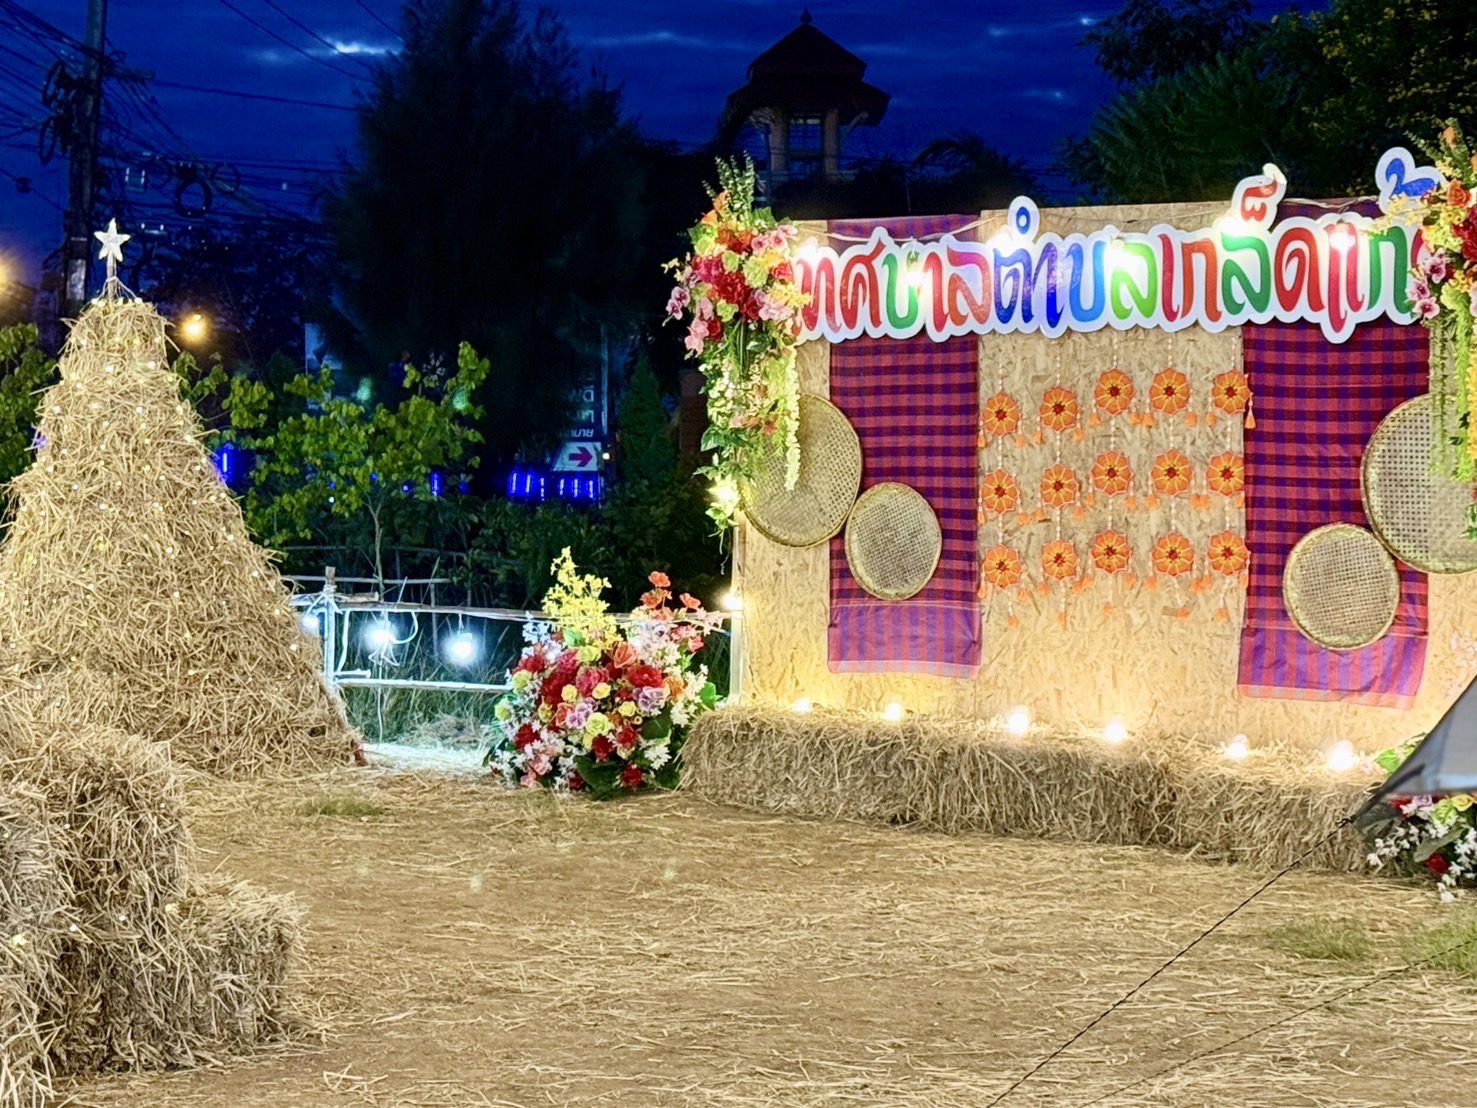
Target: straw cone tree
{"x": 130, "y": 592}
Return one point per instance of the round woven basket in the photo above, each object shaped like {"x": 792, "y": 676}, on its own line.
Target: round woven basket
{"x": 893, "y": 541}
{"x": 1341, "y": 587}
{"x": 1420, "y": 514}
{"x": 830, "y": 474}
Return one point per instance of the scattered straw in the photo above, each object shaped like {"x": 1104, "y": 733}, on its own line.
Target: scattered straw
{"x": 130, "y": 592}
{"x": 953, "y": 776}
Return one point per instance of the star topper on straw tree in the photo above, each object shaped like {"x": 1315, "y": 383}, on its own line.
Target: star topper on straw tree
{"x": 112, "y": 251}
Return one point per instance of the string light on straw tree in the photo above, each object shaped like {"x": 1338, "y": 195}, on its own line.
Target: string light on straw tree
{"x": 129, "y": 586}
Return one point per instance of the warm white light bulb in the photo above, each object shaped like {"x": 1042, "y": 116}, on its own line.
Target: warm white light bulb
{"x": 801, "y": 706}
{"x": 463, "y": 649}
{"x": 1018, "y": 722}
{"x": 893, "y": 712}
{"x": 1114, "y": 733}
{"x": 379, "y": 635}
{"x": 730, "y": 601}
{"x": 1341, "y": 237}
{"x": 310, "y": 623}
{"x": 1237, "y": 748}
{"x": 1341, "y": 758}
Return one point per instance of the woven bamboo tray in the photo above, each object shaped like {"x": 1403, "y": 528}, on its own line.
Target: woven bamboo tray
{"x": 1341, "y": 587}
{"x": 830, "y": 475}
{"x": 1417, "y": 512}
{"x": 893, "y": 541}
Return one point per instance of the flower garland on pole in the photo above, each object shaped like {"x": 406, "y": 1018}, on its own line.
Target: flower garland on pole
{"x": 1441, "y": 288}
{"x": 738, "y": 293}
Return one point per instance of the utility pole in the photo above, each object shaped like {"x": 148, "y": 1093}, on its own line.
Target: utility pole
{"x": 82, "y": 163}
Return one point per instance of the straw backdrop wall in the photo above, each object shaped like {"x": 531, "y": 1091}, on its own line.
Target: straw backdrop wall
{"x": 1164, "y": 660}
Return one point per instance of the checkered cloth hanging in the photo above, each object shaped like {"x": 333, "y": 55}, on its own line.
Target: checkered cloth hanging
{"x": 915, "y": 405}
{"x": 1316, "y": 406}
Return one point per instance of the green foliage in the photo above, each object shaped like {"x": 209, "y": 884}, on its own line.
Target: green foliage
{"x": 647, "y": 454}
{"x": 1324, "y": 939}
{"x": 1321, "y": 96}
{"x": 24, "y": 370}
{"x": 340, "y": 806}
{"x": 499, "y": 200}
{"x": 321, "y": 458}
{"x": 1452, "y": 946}
{"x": 1148, "y": 40}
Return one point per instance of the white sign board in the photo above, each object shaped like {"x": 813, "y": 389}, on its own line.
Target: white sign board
{"x": 578, "y": 457}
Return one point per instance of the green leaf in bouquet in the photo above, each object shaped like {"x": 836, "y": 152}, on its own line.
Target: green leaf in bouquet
{"x": 1389, "y": 760}
{"x": 709, "y": 695}
{"x": 658, "y": 727}
{"x": 1434, "y": 846}
{"x": 602, "y": 779}
{"x": 666, "y": 777}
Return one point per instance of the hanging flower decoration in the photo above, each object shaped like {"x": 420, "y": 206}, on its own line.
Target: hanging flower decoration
{"x": 1173, "y": 555}
{"x": 1230, "y": 392}
{"x": 1226, "y": 474}
{"x": 1114, "y": 392}
{"x": 1000, "y": 415}
{"x": 1228, "y": 554}
{"x": 1059, "y": 560}
{"x": 738, "y": 293}
{"x": 1059, "y": 486}
{"x": 1110, "y": 552}
{"x": 1002, "y": 567}
{"x": 1059, "y": 409}
{"x": 1111, "y": 473}
{"x": 1171, "y": 473}
{"x": 1170, "y": 393}
{"x": 999, "y": 493}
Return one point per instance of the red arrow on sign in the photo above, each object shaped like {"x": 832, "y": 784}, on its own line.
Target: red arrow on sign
{"x": 581, "y": 457}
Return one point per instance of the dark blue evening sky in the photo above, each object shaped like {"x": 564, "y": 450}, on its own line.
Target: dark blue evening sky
{"x": 1012, "y": 72}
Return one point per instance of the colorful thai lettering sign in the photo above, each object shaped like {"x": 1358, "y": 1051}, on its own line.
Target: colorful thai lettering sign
{"x": 1338, "y": 270}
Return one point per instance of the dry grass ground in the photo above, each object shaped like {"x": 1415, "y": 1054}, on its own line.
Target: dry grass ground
{"x": 471, "y": 947}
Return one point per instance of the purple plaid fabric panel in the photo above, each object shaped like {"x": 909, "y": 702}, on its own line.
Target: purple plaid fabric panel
{"x": 1316, "y": 405}
{"x": 915, "y": 406}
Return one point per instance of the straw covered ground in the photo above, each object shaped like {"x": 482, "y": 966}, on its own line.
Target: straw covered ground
{"x": 470, "y": 946}
{"x": 952, "y": 775}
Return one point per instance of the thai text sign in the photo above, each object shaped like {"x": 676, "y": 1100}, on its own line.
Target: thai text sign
{"x": 1337, "y": 270}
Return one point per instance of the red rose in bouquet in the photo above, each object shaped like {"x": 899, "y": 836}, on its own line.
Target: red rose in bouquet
{"x": 645, "y": 677}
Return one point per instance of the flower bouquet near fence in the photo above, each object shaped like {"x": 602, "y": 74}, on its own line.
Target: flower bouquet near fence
{"x": 601, "y": 704}
{"x": 737, "y": 292}
{"x": 1426, "y": 834}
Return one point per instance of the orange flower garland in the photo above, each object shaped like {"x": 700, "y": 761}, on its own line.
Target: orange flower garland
{"x": 1059, "y": 409}
{"x": 1172, "y": 472}
{"x": 1059, "y": 486}
{"x": 1114, "y": 392}
{"x": 1228, "y": 553}
{"x": 1110, "y": 552}
{"x": 1226, "y": 474}
{"x": 1231, "y": 392}
{"x": 1170, "y": 392}
{"x": 1059, "y": 560}
{"x": 1002, "y": 567}
{"x": 1111, "y": 473}
{"x": 1000, "y": 415}
{"x": 1173, "y": 555}
{"x": 999, "y": 493}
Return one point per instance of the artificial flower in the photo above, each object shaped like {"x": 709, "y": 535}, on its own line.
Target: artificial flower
{"x": 1059, "y": 409}
{"x": 1173, "y": 555}
{"x": 1228, "y": 553}
{"x": 1000, "y": 415}
{"x": 1059, "y": 560}
{"x": 1110, "y": 552}
{"x": 1111, "y": 473}
{"x": 1171, "y": 473}
{"x": 1059, "y": 486}
{"x": 1230, "y": 392}
{"x": 1170, "y": 392}
{"x": 999, "y": 493}
{"x": 1001, "y": 567}
{"x": 1226, "y": 474}
{"x": 1114, "y": 392}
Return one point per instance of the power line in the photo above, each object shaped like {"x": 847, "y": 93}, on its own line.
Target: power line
{"x": 289, "y": 44}
{"x": 377, "y": 18}
{"x": 301, "y": 26}
{"x": 256, "y": 96}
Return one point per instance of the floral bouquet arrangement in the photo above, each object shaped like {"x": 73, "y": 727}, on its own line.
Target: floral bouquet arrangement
{"x": 1426, "y": 833}
{"x": 601, "y": 704}
{"x": 1442, "y": 292}
{"x": 737, "y": 291}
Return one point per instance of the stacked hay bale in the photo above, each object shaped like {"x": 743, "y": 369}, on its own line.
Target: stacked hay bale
{"x": 131, "y": 595}
{"x": 138, "y": 623}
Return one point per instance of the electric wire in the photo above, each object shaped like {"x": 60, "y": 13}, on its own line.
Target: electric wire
{"x": 290, "y": 44}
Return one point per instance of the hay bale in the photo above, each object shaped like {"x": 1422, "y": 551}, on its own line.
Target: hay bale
{"x": 955, "y": 777}
{"x": 202, "y": 980}
{"x": 130, "y": 590}
{"x": 35, "y": 912}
